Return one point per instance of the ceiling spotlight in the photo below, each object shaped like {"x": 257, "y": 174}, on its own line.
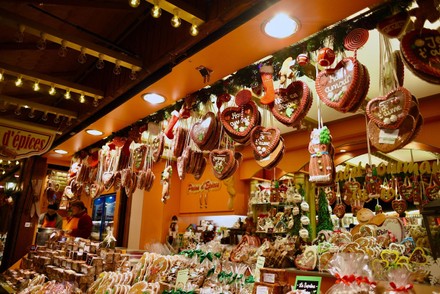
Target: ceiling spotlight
{"x": 17, "y": 162}
{"x": 194, "y": 29}
{"x": 62, "y": 52}
{"x": 4, "y": 106}
{"x": 342, "y": 150}
{"x": 2, "y": 76}
{"x": 57, "y": 119}
{"x": 19, "y": 82}
{"x": 175, "y": 20}
{"x": 134, "y": 3}
{"x": 31, "y": 113}
{"x": 67, "y": 94}
{"x": 69, "y": 122}
{"x": 82, "y": 57}
{"x": 60, "y": 151}
{"x": 156, "y": 12}
{"x": 44, "y": 117}
{"x": 18, "y": 110}
{"x": 41, "y": 44}
{"x": 153, "y": 98}
{"x": 96, "y": 102}
{"x": 82, "y": 98}
{"x": 52, "y": 91}
{"x": 36, "y": 86}
{"x": 280, "y": 26}
{"x": 94, "y": 132}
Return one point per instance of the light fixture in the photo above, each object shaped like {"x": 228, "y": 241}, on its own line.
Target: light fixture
{"x": 17, "y": 162}
{"x": 156, "y": 11}
{"x": 280, "y": 26}
{"x": 60, "y": 151}
{"x": 19, "y": 81}
{"x": 134, "y": 3}
{"x": 82, "y": 57}
{"x": 342, "y": 150}
{"x": 36, "y": 86}
{"x": 117, "y": 68}
{"x": 100, "y": 63}
{"x": 41, "y": 44}
{"x": 175, "y": 20}
{"x": 67, "y": 94}
{"x": 153, "y": 98}
{"x": 62, "y": 52}
{"x": 44, "y": 116}
{"x": 56, "y": 120}
{"x": 31, "y": 113}
{"x": 94, "y": 132}
{"x": 194, "y": 29}
{"x": 18, "y": 110}
{"x": 2, "y": 76}
{"x": 82, "y": 98}
{"x": 52, "y": 91}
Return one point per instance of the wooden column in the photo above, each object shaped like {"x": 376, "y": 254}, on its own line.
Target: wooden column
{"x": 22, "y": 228}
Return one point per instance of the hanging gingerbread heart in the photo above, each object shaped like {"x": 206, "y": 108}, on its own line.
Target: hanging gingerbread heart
{"x": 406, "y": 189}
{"x": 264, "y": 140}
{"x": 330, "y": 195}
{"x": 339, "y": 210}
{"x": 433, "y": 190}
{"x": 390, "y": 111}
{"x": 351, "y": 188}
{"x": 395, "y": 25}
{"x": 292, "y": 104}
{"x": 387, "y": 193}
{"x": 222, "y": 161}
{"x": 239, "y": 121}
{"x": 202, "y": 130}
{"x": 399, "y": 205}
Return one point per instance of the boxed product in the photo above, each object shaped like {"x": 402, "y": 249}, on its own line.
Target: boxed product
{"x": 273, "y": 276}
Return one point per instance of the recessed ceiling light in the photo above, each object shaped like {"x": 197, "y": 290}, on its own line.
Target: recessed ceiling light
{"x": 60, "y": 151}
{"x": 153, "y": 98}
{"x": 94, "y": 132}
{"x": 342, "y": 150}
{"x": 280, "y": 26}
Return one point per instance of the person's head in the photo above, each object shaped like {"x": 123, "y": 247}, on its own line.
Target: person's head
{"x": 77, "y": 206}
{"x": 52, "y": 208}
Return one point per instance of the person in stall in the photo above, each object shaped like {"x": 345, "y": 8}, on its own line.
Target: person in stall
{"x": 51, "y": 219}
{"x": 80, "y": 223}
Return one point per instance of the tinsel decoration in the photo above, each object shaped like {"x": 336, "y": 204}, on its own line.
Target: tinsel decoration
{"x": 324, "y": 218}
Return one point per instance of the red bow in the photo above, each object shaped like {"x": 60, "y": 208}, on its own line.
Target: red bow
{"x": 401, "y": 288}
{"x": 365, "y": 280}
{"x": 347, "y": 280}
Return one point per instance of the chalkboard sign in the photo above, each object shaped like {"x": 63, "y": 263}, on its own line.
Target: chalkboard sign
{"x": 309, "y": 285}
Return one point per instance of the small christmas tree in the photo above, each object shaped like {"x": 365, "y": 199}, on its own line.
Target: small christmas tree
{"x": 324, "y": 217}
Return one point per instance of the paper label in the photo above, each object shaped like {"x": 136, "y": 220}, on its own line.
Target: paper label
{"x": 269, "y": 278}
{"x": 262, "y": 290}
{"x": 388, "y": 136}
{"x": 182, "y": 278}
{"x": 258, "y": 266}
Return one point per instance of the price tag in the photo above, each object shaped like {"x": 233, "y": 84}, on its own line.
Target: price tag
{"x": 308, "y": 284}
{"x": 182, "y": 278}
{"x": 262, "y": 290}
{"x": 269, "y": 278}
{"x": 258, "y": 266}
{"x": 388, "y": 136}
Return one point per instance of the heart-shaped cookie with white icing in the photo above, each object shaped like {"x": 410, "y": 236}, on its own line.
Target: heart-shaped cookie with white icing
{"x": 292, "y": 104}
{"x": 222, "y": 161}
{"x": 203, "y": 129}
{"x": 239, "y": 121}
{"x": 391, "y": 110}
{"x": 336, "y": 86}
{"x": 264, "y": 140}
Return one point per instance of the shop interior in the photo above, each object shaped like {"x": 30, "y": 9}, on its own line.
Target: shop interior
{"x": 263, "y": 220}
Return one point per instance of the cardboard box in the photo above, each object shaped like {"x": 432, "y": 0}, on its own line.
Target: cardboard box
{"x": 274, "y": 276}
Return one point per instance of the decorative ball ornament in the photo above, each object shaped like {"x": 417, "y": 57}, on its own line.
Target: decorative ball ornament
{"x": 304, "y": 206}
{"x": 295, "y": 210}
{"x": 304, "y": 233}
{"x": 302, "y": 59}
{"x": 305, "y": 220}
{"x": 326, "y": 56}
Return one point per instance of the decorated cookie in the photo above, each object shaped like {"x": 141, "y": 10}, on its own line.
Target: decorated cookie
{"x": 292, "y": 104}
{"x": 264, "y": 140}
{"x": 222, "y": 161}
{"x": 393, "y": 26}
{"x": 203, "y": 129}
{"x": 239, "y": 121}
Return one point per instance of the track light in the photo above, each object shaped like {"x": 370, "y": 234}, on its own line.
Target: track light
{"x": 18, "y": 110}
{"x": 82, "y": 98}
{"x": 36, "y": 86}
{"x": 2, "y": 76}
{"x": 67, "y": 94}
{"x": 156, "y": 11}
{"x": 44, "y": 117}
{"x": 52, "y": 91}
{"x": 56, "y": 120}
{"x": 175, "y": 20}
{"x": 31, "y": 114}
{"x": 194, "y": 29}
{"x": 134, "y": 3}
{"x": 19, "y": 82}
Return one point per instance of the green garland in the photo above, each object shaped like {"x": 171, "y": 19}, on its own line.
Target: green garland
{"x": 324, "y": 218}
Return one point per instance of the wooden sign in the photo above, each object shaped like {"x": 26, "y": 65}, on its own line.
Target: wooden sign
{"x": 18, "y": 140}
{"x": 308, "y": 284}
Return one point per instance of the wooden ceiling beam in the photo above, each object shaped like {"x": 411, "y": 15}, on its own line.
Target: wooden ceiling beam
{"x": 101, "y": 4}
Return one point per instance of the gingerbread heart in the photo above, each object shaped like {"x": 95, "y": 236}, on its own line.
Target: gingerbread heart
{"x": 239, "y": 121}
{"x": 418, "y": 256}
{"x": 264, "y": 140}
{"x": 421, "y": 50}
{"x": 330, "y": 195}
{"x": 391, "y": 256}
{"x": 243, "y": 97}
{"x": 339, "y": 210}
{"x": 406, "y": 190}
{"x": 399, "y": 205}
{"x": 393, "y": 26}
{"x": 222, "y": 161}
{"x": 433, "y": 192}
{"x": 292, "y": 104}
{"x": 336, "y": 86}
{"x": 390, "y": 111}
{"x": 350, "y": 190}
{"x": 202, "y": 130}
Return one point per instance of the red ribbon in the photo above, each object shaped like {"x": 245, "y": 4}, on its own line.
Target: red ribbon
{"x": 365, "y": 280}
{"x": 401, "y": 288}
{"x": 347, "y": 280}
